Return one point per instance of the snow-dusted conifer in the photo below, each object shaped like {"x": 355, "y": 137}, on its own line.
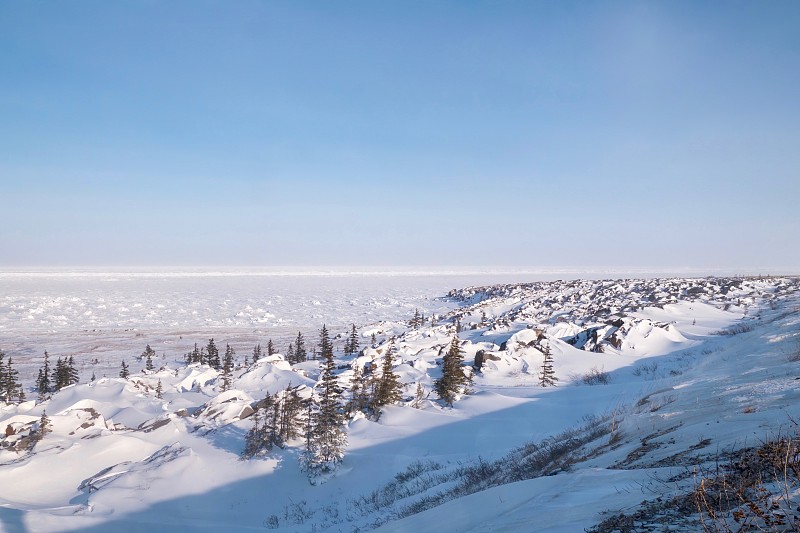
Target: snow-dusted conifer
{"x": 193, "y": 356}
{"x": 547, "y": 377}
{"x": 147, "y": 355}
{"x": 327, "y": 440}
{"x": 227, "y": 367}
{"x": 72, "y": 371}
{"x": 389, "y": 389}
{"x": 290, "y": 354}
{"x": 290, "y": 414}
{"x": 10, "y": 387}
{"x": 61, "y": 375}
{"x": 356, "y": 402}
{"x": 325, "y": 344}
{"x": 453, "y": 378}
{"x": 212, "y": 353}
{"x": 300, "y": 353}
{"x": 44, "y": 426}
{"x": 254, "y": 439}
{"x": 351, "y": 346}
{"x": 43, "y": 384}
{"x": 124, "y": 372}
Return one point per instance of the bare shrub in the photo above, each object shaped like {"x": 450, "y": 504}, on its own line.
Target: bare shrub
{"x": 646, "y": 370}
{"x": 596, "y": 376}
{"x": 757, "y": 490}
{"x": 742, "y": 327}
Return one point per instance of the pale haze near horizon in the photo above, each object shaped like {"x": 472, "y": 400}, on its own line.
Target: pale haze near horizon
{"x": 516, "y": 134}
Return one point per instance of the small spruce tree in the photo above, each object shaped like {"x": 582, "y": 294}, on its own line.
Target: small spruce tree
{"x": 159, "y": 390}
{"x": 125, "y": 372}
{"x": 43, "y": 383}
{"x": 254, "y": 438}
{"x": 44, "y": 426}
{"x": 227, "y": 367}
{"x": 10, "y": 388}
{"x": 547, "y": 377}
{"x": 389, "y": 389}
{"x": 453, "y": 380}
{"x": 61, "y": 374}
{"x": 213, "y": 355}
{"x": 356, "y": 402}
{"x": 326, "y": 439}
{"x": 300, "y": 353}
{"x": 148, "y": 355}
{"x": 72, "y": 371}
{"x": 351, "y": 346}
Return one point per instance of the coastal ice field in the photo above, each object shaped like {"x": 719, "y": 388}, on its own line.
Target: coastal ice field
{"x": 692, "y": 366}
{"x": 109, "y": 316}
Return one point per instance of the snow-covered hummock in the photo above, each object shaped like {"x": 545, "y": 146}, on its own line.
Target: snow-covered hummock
{"x": 118, "y": 458}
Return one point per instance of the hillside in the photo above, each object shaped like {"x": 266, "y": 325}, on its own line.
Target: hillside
{"x": 657, "y": 380}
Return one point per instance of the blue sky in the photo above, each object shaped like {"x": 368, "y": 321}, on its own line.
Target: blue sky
{"x": 524, "y": 134}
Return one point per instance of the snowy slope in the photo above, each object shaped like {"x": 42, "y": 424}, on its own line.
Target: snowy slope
{"x": 120, "y": 458}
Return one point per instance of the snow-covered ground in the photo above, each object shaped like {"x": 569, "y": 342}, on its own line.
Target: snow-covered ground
{"x": 121, "y": 459}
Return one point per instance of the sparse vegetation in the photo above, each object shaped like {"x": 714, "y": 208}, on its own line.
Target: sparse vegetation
{"x": 596, "y": 376}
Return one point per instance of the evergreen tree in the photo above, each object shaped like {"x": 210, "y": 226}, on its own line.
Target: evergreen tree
{"x": 256, "y": 354}
{"x": 213, "y": 355}
{"x": 254, "y": 439}
{"x": 356, "y": 402}
{"x": 159, "y": 390}
{"x": 227, "y": 367}
{"x": 327, "y": 439}
{"x": 43, "y": 384}
{"x": 39, "y": 379}
{"x": 547, "y": 377}
{"x": 3, "y": 373}
{"x": 373, "y": 340}
{"x": 419, "y": 395}
{"x": 290, "y": 354}
{"x": 389, "y": 389}
{"x": 263, "y": 435}
{"x": 416, "y": 321}
{"x": 453, "y": 379}
{"x": 61, "y": 375}
{"x": 351, "y": 346}
{"x": 289, "y": 415}
{"x": 93, "y": 377}
{"x": 325, "y": 344}
{"x": 148, "y": 355}
{"x": 72, "y": 372}
{"x": 193, "y": 356}
{"x": 124, "y": 373}
{"x": 44, "y": 426}
{"x": 270, "y": 348}
{"x": 10, "y": 387}
{"x": 300, "y": 353}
